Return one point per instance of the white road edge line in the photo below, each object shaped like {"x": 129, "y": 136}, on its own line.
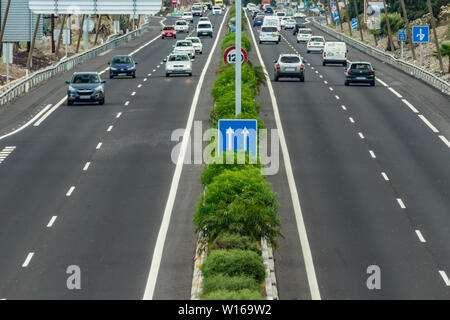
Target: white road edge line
{"x": 49, "y": 112}
{"x": 420, "y": 236}
{"x": 306, "y": 250}
{"x": 395, "y": 92}
{"x": 445, "y": 278}
{"x": 410, "y": 106}
{"x": 400, "y": 203}
{"x": 52, "y": 221}
{"x": 28, "y": 123}
{"x": 428, "y": 123}
{"x": 444, "y": 139}
{"x": 69, "y": 193}
{"x": 27, "y": 260}
{"x": 159, "y": 246}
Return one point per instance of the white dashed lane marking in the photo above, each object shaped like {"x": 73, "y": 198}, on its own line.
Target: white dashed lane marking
{"x": 420, "y": 236}
{"x": 99, "y": 145}
{"x": 385, "y": 176}
{"x": 52, "y": 221}
{"x": 372, "y": 154}
{"x": 444, "y": 139}
{"x": 69, "y": 193}
{"x": 86, "y": 166}
{"x": 445, "y": 278}
{"x": 428, "y": 123}
{"x": 27, "y": 260}
{"x": 400, "y": 203}
{"x": 410, "y": 105}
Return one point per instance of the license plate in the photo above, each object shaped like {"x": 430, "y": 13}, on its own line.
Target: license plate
{"x": 122, "y": 74}
{"x": 290, "y": 69}
{"x": 85, "y": 97}
{"x": 360, "y": 78}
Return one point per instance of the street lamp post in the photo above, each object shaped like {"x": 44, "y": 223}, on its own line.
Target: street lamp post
{"x": 238, "y": 63}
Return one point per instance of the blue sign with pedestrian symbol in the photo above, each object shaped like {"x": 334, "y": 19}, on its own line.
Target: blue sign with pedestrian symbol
{"x": 354, "y": 24}
{"x": 421, "y": 34}
{"x": 237, "y": 134}
{"x": 402, "y": 35}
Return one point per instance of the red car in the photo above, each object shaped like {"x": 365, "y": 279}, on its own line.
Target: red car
{"x": 168, "y": 32}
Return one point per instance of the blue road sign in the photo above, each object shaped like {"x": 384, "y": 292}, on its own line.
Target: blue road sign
{"x": 336, "y": 16}
{"x": 402, "y": 35}
{"x": 237, "y": 134}
{"x": 354, "y": 24}
{"x": 421, "y": 34}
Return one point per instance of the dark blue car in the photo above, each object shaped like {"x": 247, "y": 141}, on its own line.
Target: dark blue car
{"x": 258, "y": 21}
{"x": 122, "y": 66}
{"x": 269, "y": 10}
{"x": 85, "y": 87}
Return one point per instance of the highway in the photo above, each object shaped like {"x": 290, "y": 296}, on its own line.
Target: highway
{"x": 373, "y": 180}
{"x": 87, "y": 185}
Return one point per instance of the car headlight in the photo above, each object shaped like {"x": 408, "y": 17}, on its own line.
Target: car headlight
{"x": 72, "y": 89}
{"x": 98, "y": 89}
{"x": 113, "y": 69}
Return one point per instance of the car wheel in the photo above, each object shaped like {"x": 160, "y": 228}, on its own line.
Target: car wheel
{"x": 167, "y": 74}
{"x": 278, "y": 42}
{"x": 111, "y": 76}
{"x": 102, "y": 101}
{"x": 346, "y": 83}
{"x": 307, "y": 51}
{"x": 372, "y": 84}
{"x": 190, "y": 74}
{"x": 134, "y": 76}
{"x": 302, "y": 79}
{"x": 69, "y": 102}
{"x": 298, "y": 41}
{"x": 275, "y": 78}
{"x": 344, "y": 64}
{"x": 260, "y": 42}
{"x": 323, "y": 63}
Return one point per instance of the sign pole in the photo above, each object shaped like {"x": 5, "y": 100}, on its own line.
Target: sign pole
{"x": 238, "y": 63}
{"x": 421, "y": 54}
{"x": 7, "y": 72}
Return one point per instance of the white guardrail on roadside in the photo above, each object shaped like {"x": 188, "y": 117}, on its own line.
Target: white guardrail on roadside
{"x": 40, "y": 76}
{"x": 413, "y": 70}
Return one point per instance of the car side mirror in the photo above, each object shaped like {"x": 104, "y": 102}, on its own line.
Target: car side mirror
{"x": 67, "y": 82}
{"x": 103, "y": 81}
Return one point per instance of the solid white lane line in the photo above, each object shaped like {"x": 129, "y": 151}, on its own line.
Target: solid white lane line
{"x": 49, "y": 112}
{"x": 27, "y": 260}
{"x": 127, "y": 103}
{"x": 400, "y": 203}
{"x": 385, "y": 176}
{"x": 133, "y": 93}
{"x": 361, "y": 135}
{"x": 343, "y": 107}
{"x": 86, "y": 166}
{"x": 420, "y": 236}
{"x": 28, "y": 123}
{"x": 69, "y": 193}
{"x": 99, "y": 145}
{"x": 303, "y": 236}
{"x": 159, "y": 246}
{"x": 337, "y": 97}
{"x": 395, "y": 92}
{"x": 118, "y": 115}
{"x": 428, "y": 123}
{"x": 444, "y": 139}
{"x": 109, "y": 129}
{"x": 372, "y": 154}
{"x": 382, "y": 82}
{"x": 52, "y": 221}
{"x": 410, "y": 105}
{"x": 445, "y": 278}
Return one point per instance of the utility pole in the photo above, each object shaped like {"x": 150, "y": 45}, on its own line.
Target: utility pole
{"x": 4, "y": 20}
{"x": 391, "y": 43}
{"x": 408, "y": 32}
{"x": 58, "y": 44}
{"x": 436, "y": 41}
{"x": 30, "y": 54}
{"x": 238, "y": 62}
{"x": 359, "y": 22}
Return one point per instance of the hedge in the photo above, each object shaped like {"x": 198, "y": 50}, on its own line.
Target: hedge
{"x": 228, "y": 240}
{"x": 223, "y": 282}
{"x": 244, "y": 294}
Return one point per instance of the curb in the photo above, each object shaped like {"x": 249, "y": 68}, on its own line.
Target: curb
{"x": 269, "y": 263}
{"x": 200, "y": 255}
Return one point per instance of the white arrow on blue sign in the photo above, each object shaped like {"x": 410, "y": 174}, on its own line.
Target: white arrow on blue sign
{"x": 402, "y": 35}
{"x": 237, "y": 134}
{"x": 421, "y": 34}
{"x": 354, "y": 24}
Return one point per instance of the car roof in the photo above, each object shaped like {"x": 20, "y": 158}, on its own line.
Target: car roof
{"x": 86, "y": 72}
{"x": 289, "y": 55}
{"x": 363, "y": 62}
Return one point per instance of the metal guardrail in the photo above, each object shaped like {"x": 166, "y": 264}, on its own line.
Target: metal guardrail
{"x": 40, "y": 76}
{"x": 409, "y": 68}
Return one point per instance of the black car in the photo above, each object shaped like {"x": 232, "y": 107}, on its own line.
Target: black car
{"x": 298, "y": 26}
{"x": 86, "y": 87}
{"x": 360, "y": 72}
{"x": 122, "y": 66}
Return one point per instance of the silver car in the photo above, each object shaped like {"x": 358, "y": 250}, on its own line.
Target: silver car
{"x": 289, "y": 66}
{"x": 178, "y": 64}
{"x": 197, "y": 43}
{"x": 184, "y": 47}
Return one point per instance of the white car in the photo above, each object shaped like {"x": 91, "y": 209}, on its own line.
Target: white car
{"x": 269, "y": 34}
{"x": 299, "y": 15}
{"x": 280, "y": 14}
{"x": 181, "y": 26}
{"x": 187, "y": 16}
{"x": 315, "y": 44}
{"x": 271, "y": 21}
{"x": 304, "y": 35}
{"x": 197, "y": 10}
{"x": 204, "y": 29}
{"x": 335, "y": 52}
{"x": 217, "y": 10}
{"x": 178, "y": 64}
{"x": 289, "y": 23}
{"x": 184, "y": 47}
{"x": 196, "y": 42}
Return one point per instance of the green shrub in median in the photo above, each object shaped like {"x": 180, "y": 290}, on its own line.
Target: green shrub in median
{"x": 223, "y": 282}
{"x": 240, "y": 202}
{"x": 230, "y": 40}
{"x": 244, "y": 294}
{"x": 233, "y": 263}
{"x": 234, "y": 241}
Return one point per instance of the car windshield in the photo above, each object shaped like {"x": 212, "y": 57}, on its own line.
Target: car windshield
{"x": 168, "y": 28}
{"x": 122, "y": 60}
{"x": 290, "y": 59}
{"x": 280, "y": 14}
{"x": 204, "y": 25}
{"x": 194, "y": 40}
{"x": 361, "y": 66}
{"x": 269, "y": 29}
{"x": 196, "y": 8}
{"x": 178, "y": 58}
{"x": 85, "y": 78}
{"x": 181, "y": 23}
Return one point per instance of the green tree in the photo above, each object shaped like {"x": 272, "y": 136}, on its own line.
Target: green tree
{"x": 445, "y": 52}
{"x": 395, "y": 20}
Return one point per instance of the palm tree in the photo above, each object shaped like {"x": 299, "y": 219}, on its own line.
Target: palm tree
{"x": 445, "y": 52}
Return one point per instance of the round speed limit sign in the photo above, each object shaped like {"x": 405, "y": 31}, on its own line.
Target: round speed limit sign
{"x": 230, "y": 55}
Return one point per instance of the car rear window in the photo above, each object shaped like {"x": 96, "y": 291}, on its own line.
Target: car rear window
{"x": 204, "y": 26}
{"x": 269, "y": 29}
{"x": 179, "y": 58}
{"x": 168, "y": 28}
{"x": 316, "y": 39}
{"x": 194, "y": 40}
{"x": 290, "y": 59}
{"x": 184, "y": 44}
{"x": 361, "y": 66}
{"x": 305, "y": 31}
{"x": 181, "y": 23}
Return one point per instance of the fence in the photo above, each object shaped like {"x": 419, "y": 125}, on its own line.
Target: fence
{"x": 40, "y": 76}
{"x": 411, "y": 69}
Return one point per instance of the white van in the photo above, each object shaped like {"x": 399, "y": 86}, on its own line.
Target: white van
{"x": 335, "y": 52}
{"x": 271, "y": 21}
{"x": 269, "y": 34}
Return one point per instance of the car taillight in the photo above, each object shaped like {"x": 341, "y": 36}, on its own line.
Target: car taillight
{"x": 302, "y": 67}
{"x": 324, "y": 54}
{"x": 310, "y": 32}
{"x": 278, "y": 66}
{"x": 324, "y": 43}
{"x": 372, "y": 72}
{"x": 345, "y": 55}
{"x": 349, "y": 71}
